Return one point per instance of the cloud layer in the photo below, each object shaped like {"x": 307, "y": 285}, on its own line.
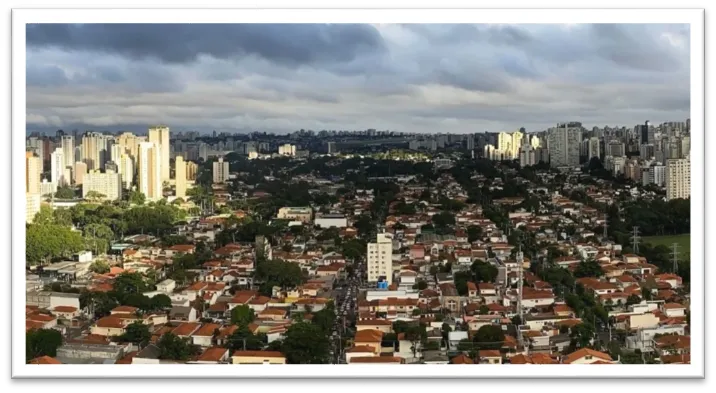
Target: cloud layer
{"x": 410, "y": 78}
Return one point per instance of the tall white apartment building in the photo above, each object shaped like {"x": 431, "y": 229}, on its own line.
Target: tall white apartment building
{"x": 180, "y": 177}
{"x": 678, "y": 178}
{"x": 126, "y": 169}
{"x": 221, "y": 171}
{"x": 68, "y": 150}
{"x": 380, "y": 259}
{"x": 527, "y": 156}
{"x": 108, "y": 184}
{"x": 160, "y": 136}
{"x": 57, "y": 167}
{"x": 149, "y": 170}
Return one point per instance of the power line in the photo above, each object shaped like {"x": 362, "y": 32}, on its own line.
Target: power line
{"x": 606, "y": 224}
{"x": 675, "y": 253}
{"x": 635, "y": 238}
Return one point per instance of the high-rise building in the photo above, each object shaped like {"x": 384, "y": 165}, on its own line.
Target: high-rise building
{"x": 80, "y": 172}
{"x": 57, "y": 167}
{"x": 191, "y": 170}
{"x": 527, "y": 156}
{"x": 68, "y": 150}
{"x": 535, "y": 142}
{"x": 180, "y": 176}
{"x": 678, "y": 178}
{"x": 509, "y": 144}
{"x": 94, "y": 150}
{"x": 287, "y": 150}
{"x": 647, "y": 151}
{"x": 33, "y": 202}
{"x": 116, "y": 151}
{"x": 203, "y": 151}
{"x": 108, "y": 184}
{"x": 160, "y": 136}
{"x": 616, "y": 149}
{"x": 221, "y": 171}
{"x": 471, "y": 142}
{"x": 331, "y": 147}
{"x": 380, "y": 259}
{"x": 130, "y": 142}
{"x": 126, "y": 170}
{"x": 563, "y": 145}
{"x": 33, "y": 172}
{"x": 149, "y": 170}
{"x": 593, "y": 148}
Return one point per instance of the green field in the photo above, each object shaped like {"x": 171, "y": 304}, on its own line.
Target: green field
{"x": 684, "y": 242}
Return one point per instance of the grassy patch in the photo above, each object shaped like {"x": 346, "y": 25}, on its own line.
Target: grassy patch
{"x": 684, "y": 242}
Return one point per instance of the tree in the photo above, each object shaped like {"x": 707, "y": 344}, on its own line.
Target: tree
{"x": 127, "y": 283}
{"x": 489, "y": 337}
{"x": 422, "y": 285}
{"x": 137, "y": 197}
{"x": 138, "y": 333}
{"x": 243, "y": 340}
{"x": 484, "y": 310}
{"x": 443, "y": 220}
{"x": 242, "y": 315}
{"x": 173, "y": 347}
{"x": 47, "y": 242}
{"x": 99, "y": 267}
{"x": 590, "y": 268}
{"x": 161, "y": 302}
{"x": 581, "y": 336}
{"x": 65, "y": 192}
{"x": 633, "y": 299}
{"x": 325, "y": 318}
{"x": 45, "y": 216}
{"x": 42, "y": 342}
{"x": 95, "y": 196}
{"x": 306, "y": 343}
{"x": 474, "y": 233}
{"x": 278, "y": 273}
{"x": 483, "y": 271}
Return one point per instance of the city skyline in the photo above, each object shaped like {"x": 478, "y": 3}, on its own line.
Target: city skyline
{"x": 406, "y": 78}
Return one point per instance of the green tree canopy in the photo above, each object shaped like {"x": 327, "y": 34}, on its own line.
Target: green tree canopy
{"x": 243, "y": 339}
{"x": 138, "y": 333}
{"x": 42, "y": 342}
{"x": 137, "y": 198}
{"x": 242, "y": 315}
{"x": 306, "y": 343}
{"x": 172, "y": 347}
{"x": 489, "y": 337}
{"x": 46, "y": 242}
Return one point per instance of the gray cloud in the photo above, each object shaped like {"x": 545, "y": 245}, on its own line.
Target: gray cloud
{"x": 450, "y": 78}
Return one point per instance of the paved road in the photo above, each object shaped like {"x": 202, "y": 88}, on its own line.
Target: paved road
{"x": 346, "y": 310}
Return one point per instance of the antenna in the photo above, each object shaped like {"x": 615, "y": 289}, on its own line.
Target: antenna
{"x": 635, "y": 239}
{"x": 675, "y": 254}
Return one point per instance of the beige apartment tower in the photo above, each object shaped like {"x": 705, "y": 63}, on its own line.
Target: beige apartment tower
{"x": 33, "y": 170}
{"x": 678, "y": 178}
{"x": 380, "y": 258}
{"x": 180, "y": 177}
{"x": 191, "y": 170}
{"x": 149, "y": 170}
{"x": 80, "y": 172}
{"x": 108, "y": 184}
{"x": 160, "y": 136}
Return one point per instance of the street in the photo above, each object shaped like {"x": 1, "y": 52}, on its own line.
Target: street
{"x": 346, "y": 311}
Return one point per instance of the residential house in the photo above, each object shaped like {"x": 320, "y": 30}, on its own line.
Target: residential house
{"x": 258, "y": 357}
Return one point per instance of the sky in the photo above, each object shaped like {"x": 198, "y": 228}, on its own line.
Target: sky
{"x": 426, "y": 78}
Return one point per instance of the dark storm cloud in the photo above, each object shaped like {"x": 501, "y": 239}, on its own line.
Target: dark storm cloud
{"x": 409, "y": 77}
{"x": 181, "y": 43}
